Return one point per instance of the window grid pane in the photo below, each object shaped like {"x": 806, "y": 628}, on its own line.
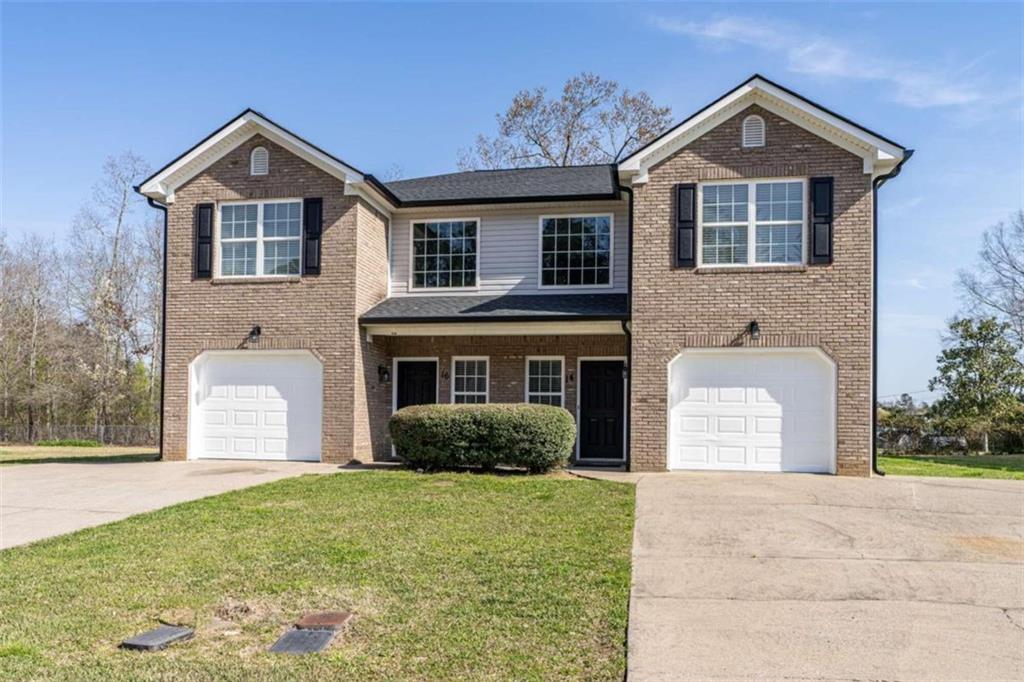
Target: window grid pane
{"x": 544, "y": 382}
{"x": 281, "y": 257}
{"x": 238, "y": 258}
{"x": 281, "y": 220}
{"x": 576, "y": 251}
{"x": 775, "y": 226}
{"x": 722, "y": 245}
{"x": 260, "y": 239}
{"x": 444, "y": 254}
{"x": 469, "y": 381}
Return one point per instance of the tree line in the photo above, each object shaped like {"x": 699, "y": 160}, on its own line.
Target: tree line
{"x": 980, "y": 370}
{"x": 80, "y": 320}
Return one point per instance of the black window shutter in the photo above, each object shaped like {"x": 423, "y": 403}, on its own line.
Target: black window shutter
{"x": 312, "y": 229}
{"x": 821, "y": 221}
{"x": 686, "y": 226}
{"x": 202, "y": 251}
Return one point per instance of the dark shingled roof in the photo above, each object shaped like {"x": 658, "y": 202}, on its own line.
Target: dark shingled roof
{"x": 510, "y": 307}
{"x": 509, "y": 185}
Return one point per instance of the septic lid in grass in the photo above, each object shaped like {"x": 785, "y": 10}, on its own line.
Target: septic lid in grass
{"x": 160, "y": 638}
{"x": 323, "y": 620}
{"x": 302, "y": 642}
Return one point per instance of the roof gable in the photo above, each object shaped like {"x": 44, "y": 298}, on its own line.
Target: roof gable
{"x": 880, "y": 154}
{"x": 163, "y": 183}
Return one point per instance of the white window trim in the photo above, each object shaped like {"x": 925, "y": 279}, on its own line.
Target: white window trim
{"x": 751, "y": 223}
{"x": 252, "y": 160}
{"x": 526, "y": 383}
{"x": 412, "y": 255}
{"x": 611, "y": 251}
{"x": 260, "y": 239}
{"x": 487, "y": 376}
{"x": 743, "y": 132}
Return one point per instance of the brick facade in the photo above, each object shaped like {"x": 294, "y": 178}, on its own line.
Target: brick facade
{"x": 315, "y": 313}
{"x": 825, "y": 307}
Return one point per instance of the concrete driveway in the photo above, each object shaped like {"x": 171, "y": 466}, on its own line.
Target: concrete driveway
{"x": 42, "y": 500}
{"x": 763, "y": 576}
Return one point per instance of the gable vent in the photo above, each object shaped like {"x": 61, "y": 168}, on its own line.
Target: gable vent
{"x": 753, "y": 131}
{"x": 259, "y": 163}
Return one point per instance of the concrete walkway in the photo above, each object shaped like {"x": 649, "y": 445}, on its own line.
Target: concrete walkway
{"x": 42, "y": 500}
{"x": 761, "y": 576}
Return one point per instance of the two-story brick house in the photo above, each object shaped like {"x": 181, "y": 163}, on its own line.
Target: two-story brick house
{"x": 707, "y": 303}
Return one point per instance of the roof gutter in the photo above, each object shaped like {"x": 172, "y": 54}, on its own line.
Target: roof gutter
{"x": 875, "y": 184}
{"x": 163, "y": 321}
{"x": 627, "y": 327}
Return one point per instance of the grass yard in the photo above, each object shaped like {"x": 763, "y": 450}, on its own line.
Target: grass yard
{"x": 35, "y": 454}
{"x": 451, "y": 576}
{"x": 958, "y": 466}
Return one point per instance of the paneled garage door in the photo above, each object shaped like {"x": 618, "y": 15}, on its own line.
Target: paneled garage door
{"x": 256, "y": 405}
{"x": 752, "y": 410}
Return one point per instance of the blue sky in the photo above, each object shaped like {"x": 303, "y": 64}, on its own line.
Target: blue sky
{"x": 409, "y": 85}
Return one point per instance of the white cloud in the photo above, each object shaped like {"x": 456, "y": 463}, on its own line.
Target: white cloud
{"x": 819, "y": 55}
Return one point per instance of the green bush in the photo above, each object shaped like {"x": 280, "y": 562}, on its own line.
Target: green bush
{"x": 536, "y": 437}
{"x": 68, "y": 443}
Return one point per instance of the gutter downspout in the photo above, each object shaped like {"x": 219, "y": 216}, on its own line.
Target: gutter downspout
{"x": 627, "y": 328}
{"x": 875, "y": 184}
{"x": 163, "y": 322}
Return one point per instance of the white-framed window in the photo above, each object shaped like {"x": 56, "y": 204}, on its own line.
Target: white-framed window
{"x": 759, "y": 222}
{"x": 259, "y": 161}
{"x": 545, "y": 384}
{"x": 576, "y": 250}
{"x": 753, "y": 131}
{"x": 260, "y": 239}
{"x": 470, "y": 379}
{"x": 444, "y": 253}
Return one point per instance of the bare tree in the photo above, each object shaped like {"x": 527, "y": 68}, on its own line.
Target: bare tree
{"x": 593, "y": 121}
{"x": 998, "y": 283}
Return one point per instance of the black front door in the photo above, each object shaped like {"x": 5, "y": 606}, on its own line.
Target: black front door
{"x": 416, "y": 383}
{"x": 601, "y": 410}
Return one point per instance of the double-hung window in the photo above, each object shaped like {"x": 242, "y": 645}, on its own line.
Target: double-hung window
{"x": 444, "y": 254}
{"x": 576, "y": 251}
{"x": 260, "y": 239}
{"x": 469, "y": 380}
{"x": 544, "y": 384}
{"x": 752, "y": 223}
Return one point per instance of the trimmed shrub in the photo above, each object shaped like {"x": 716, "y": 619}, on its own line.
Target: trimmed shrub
{"x": 536, "y": 437}
{"x": 68, "y": 443}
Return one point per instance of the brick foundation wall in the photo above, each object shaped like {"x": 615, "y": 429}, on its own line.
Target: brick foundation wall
{"x": 827, "y": 307}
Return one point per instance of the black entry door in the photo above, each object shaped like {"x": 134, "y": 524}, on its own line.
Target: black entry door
{"x": 416, "y": 383}
{"x": 601, "y": 409}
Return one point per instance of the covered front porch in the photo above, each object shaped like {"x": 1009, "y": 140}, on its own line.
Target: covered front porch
{"x": 434, "y": 356}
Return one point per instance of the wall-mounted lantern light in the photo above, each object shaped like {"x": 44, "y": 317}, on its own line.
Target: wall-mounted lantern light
{"x": 254, "y": 333}
{"x": 755, "y": 330}
{"x": 383, "y": 374}
{"x": 444, "y": 374}
{"x": 570, "y": 376}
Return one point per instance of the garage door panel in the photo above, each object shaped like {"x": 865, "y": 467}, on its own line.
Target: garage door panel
{"x": 256, "y": 405}
{"x": 766, "y": 411}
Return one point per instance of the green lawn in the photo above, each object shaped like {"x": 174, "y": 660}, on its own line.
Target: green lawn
{"x": 452, "y": 576}
{"x": 34, "y": 454}
{"x": 960, "y": 466}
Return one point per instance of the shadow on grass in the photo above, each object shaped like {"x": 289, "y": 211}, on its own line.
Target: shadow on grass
{"x": 84, "y": 459}
{"x": 994, "y": 462}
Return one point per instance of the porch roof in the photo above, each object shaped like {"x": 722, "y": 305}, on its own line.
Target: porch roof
{"x": 505, "y": 308}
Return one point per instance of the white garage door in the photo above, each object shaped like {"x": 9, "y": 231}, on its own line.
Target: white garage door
{"x": 256, "y": 405}
{"x": 752, "y": 411}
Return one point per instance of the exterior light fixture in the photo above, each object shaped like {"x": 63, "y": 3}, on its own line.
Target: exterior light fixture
{"x": 254, "y": 333}
{"x": 383, "y": 374}
{"x": 444, "y": 374}
{"x": 570, "y": 377}
{"x": 755, "y": 330}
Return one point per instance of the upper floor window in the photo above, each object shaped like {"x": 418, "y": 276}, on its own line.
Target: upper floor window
{"x": 260, "y": 239}
{"x": 259, "y": 161}
{"x": 753, "y": 131}
{"x": 576, "y": 251}
{"x": 752, "y": 223}
{"x": 444, "y": 254}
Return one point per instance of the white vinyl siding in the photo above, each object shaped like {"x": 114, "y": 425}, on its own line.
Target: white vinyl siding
{"x": 508, "y": 248}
